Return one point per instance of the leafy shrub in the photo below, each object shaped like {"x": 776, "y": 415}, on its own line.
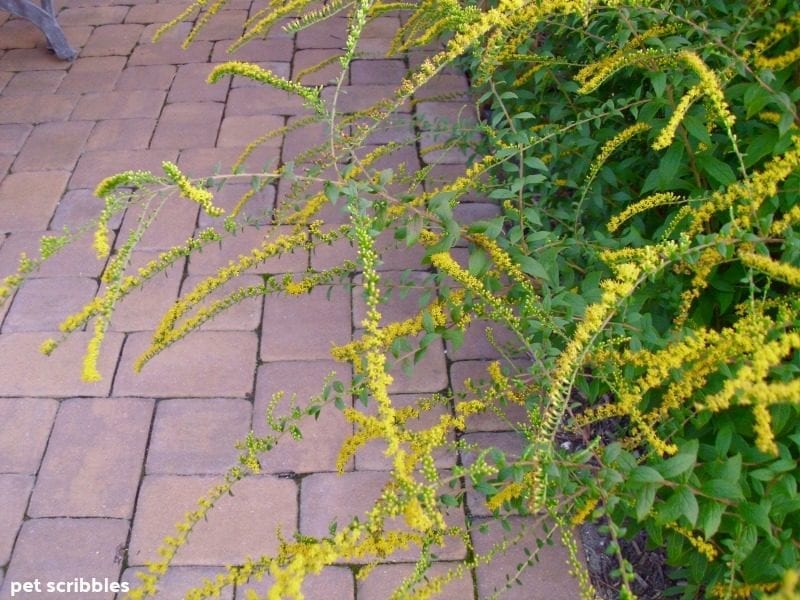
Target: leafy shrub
{"x": 645, "y": 156}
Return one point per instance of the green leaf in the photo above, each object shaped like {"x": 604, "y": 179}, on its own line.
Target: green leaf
{"x": 710, "y": 517}
{"x": 721, "y": 488}
{"x": 643, "y": 474}
{"x": 532, "y": 267}
{"x": 717, "y": 170}
{"x": 757, "y": 514}
{"x": 680, "y": 463}
{"x": 688, "y": 504}
{"x": 644, "y": 500}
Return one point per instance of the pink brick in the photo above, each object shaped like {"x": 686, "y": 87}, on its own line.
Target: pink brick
{"x": 174, "y": 224}
{"x": 385, "y": 579}
{"x": 332, "y": 35}
{"x": 31, "y": 59}
{"x": 305, "y": 327}
{"x": 510, "y": 443}
{"x": 476, "y": 344}
{"x": 92, "y": 74}
{"x": 95, "y": 165}
{"x": 237, "y": 526}
{"x": 27, "y": 200}
{"x": 25, "y": 371}
{"x": 310, "y": 59}
{"x": 34, "y": 82}
{"x": 201, "y": 162}
{"x": 264, "y": 100}
{"x": 23, "y": 444}
{"x": 178, "y": 580}
{"x": 168, "y": 52}
{"x": 226, "y": 24}
{"x": 401, "y": 293}
{"x": 65, "y": 549}
{"x": 127, "y": 104}
{"x": 197, "y": 435}
{"x": 53, "y": 146}
{"x": 206, "y": 364}
{"x": 545, "y": 579}
{"x": 244, "y": 316}
{"x": 19, "y": 33}
{"x": 92, "y": 16}
{"x": 190, "y": 85}
{"x": 258, "y": 209}
{"x": 331, "y": 583}
{"x": 114, "y": 39}
{"x": 12, "y": 136}
{"x": 188, "y": 124}
{"x": 512, "y": 414}
{"x": 94, "y": 459}
{"x": 304, "y": 379}
{"x": 378, "y": 72}
{"x": 278, "y": 48}
{"x": 14, "y": 493}
{"x": 35, "y": 108}
{"x": 149, "y": 77}
{"x": 121, "y": 134}
{"x": 238, "y": 131}
{"x": 42, "y": 304}
{"x": 77, "y": 259}
{"x": 153, "y": 13}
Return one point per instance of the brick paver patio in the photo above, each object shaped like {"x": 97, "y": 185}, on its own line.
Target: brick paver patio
{"x": 92, "y": 476}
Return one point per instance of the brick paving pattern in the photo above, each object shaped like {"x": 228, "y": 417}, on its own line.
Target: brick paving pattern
{"x": 92, "y": 476}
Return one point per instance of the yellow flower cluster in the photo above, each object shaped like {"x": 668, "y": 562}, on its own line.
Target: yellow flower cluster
{"x": 651, "y": 201}
{"x": 608, "y": 148}
{"x": 702, "y": 546}
{"x": 667, "y": 133}
{"x": 775, "y": 269}
{"x": 191, "y": 192}
{"x": 593, "y": 75}
{"x": 779, "y": 31}
{"x": 710, "y": 86}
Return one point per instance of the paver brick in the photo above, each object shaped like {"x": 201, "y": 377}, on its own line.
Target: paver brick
{"x": 208, "y": 364}
{"x": 112, "y": 105}
{"x": 544, "y": 579}
{"x": 19, "y": 33}
{"x": 31, "y": 59}
{"x": 167, "y": 52}
{"x": 77, "y": 259}
{"x": 174, "y": 224}
{"x": 238, "y": 131}
{"x": 34, "y": 108}
{"x": 242, "y": 316}
{"x": 263, "y": 100}
{"x": 55, "y": 146}
{"x": 226, "y": 24}
{"x": 327, "y": 497}
{"x": 41, "y": 304}
{"x": 94, "y": 165}
{"x": 311, "y": 59}
{"x": 92, "y": 74}
{"x": 197, "y": 435}
{"x": 354, "y": 98}
{"x": 102, "y": 15}
{"x": 305, "y": 327}
{"x": 93, "y": 460}
{"x": 325, "y": 435}
{"x": 13, "y": 136}
{"x": 188, "y": 124}
{"x": 476, "y": 344}
{"x": 427, "y": 375}
{"x": 258, "y": 209}
{"x": 237, "y": 526}
{"x": 200, "y": 162}
{"x": 153, "y": 13}
{"x": 388, "y": 72}
{"x": 272, "y": 48}
{"x": 61, "y": 550}
{"x": 332, "y": 583}
{"x": 121, "y": 134}
{"x": 114, "y": 39}
{"x": 177, "y": 581}
{"x": 14, "y": 493}
{"x": 28, "y": 199}
{"x": 25, "y": 83}
{"x": 147, "y": 77}
{"x": 143, "y": 308}
{"x": 385, "y": 579}
{"x": 77, "y": 208}
{"x": 475, "y": 370}
{"x": 332, "y": 35}
{"x": 190, "y": 85}
{"x": 25, "y": 371}
{"x": 22, "y": 446}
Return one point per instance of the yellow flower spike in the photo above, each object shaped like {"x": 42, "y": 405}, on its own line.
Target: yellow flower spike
{"x": 202, "y": 197}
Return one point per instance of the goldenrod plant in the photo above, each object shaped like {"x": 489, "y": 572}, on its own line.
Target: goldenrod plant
{"x": 645, "y": 264}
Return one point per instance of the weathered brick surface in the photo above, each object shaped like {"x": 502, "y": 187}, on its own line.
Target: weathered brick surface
{"x": 33, "y": 82}
{"x": 187, "y": 125}
{"x": 92, "y": 16}
{"x": 27, "y": 200}
{"x": 92, "y": 74}
{"x": 304, "y": 327}
{"x": 148, "y": 77}
{"x": 385, "y": 579}
{"x": 237, "y": 131}
{"x": 65, "y": 549}
{"x": 384, "y": 72}
{"x": 74, "y": 260}
{"x": 208, "y": 364}
{"x": 41, "y": 304}
{"x": 306, "y": 63}
{"x": 109, "y": 105}
{"x": 177, "y": 581}
{"x": 121, "y": 134}
{"x": 190, "y": 85}
{"x": 53, "y": 146}
{"x": 30, "y": 59}
{"x": 13, "y": 136}
{"x": 93, "y": 461}
{"x": 197, "y": 435}
{"x": 331, "y": 583}
{"x": 275, "y": 47}
{"x": 240, "y": 525}
{"x": 34, "y": 108}
{"x": 25, "y": 371}
{"x": 305, "y": 380}
{"x": 115, "y": 39}
{"x": 14, "y": 493}
{"x": 22, "y": 446}
{"x": 175, "y": 223}
{"x": 93, "y": 166}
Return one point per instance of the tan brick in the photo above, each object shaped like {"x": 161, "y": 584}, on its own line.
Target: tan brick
{"x": 238, "y": 526}
{"x": 92, "y": 16}
{"x": 143, "y": 309}
{"x": 61, "y": 550}
{"x": 331, "y": 583}
{"x": 547, "y": 578}
{"x": 114, "y": 105}
{"x": 305, "y": 327}
{"x": 332, "y": 35}
{"x": 476, "y": 345}
{"x": 77, "y": 259}
{"x": 207, "y": 364}
{"x": 238, "y": 131}
{"x": 188, "y": 124}
{"x": 329, "y": 497}
{"x": 307, "y": 59}
{"x": 214, "y": 257}
{"x": 385, "y": 579}
{"x": 371, "y": 456}
{"x": 27, "y": 200}
{"x": 153, "y": 13}
{"x": 178, "y": 580}
{"x": 41, "y": 304}
{"x": 93, "y": 166}
{"x": 149, "y": 77}
{"x": 190, "y": 85}
{"x": 13, "y": 136}
{"x": 93, "y": 74}
{"x": 168, "y": 53}
{"x": 94, "y": 459}
{"x": 31, "y": 59}
{"x": 19, "y": 33}
{"x": 22, "y": 444}
{"x": 226, "y": 24}
{"x": 375, "y": 72}
{"x": 244, "y": 316}
{"x": 121, "y": 134}
{"x": 475, "y": 370}
{"x": 273, "y": 48}
{"x": 197, "y": 435}
{"x": 264, "y": 100}
{"x": 53, "y": 146}
{"x": 26, "y": 83}
{"x": 25, "y": 371}
{"x": 428, "y": 374}
{"x": 110, "y": 40}
{"x": 14, "y": 493}
{"x": 326, "y": 435}
{"x": 35, "y": 108}
{"x": 174, "y": 224}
